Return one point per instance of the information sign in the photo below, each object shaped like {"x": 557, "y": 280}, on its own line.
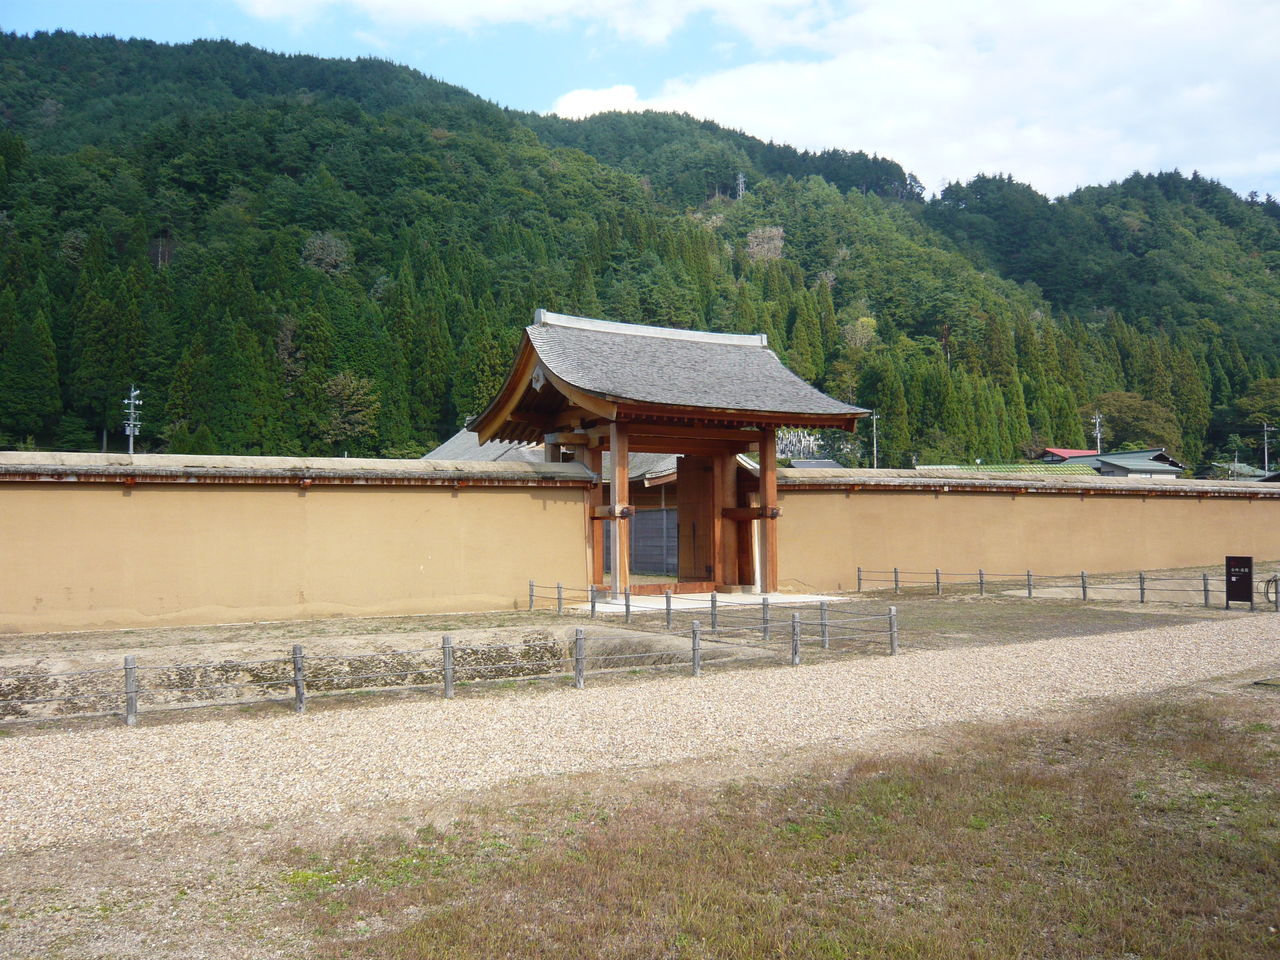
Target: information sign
{"x": 1240, "y": 579}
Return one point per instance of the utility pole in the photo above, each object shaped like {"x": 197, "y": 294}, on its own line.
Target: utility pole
{"x": 875, "y": 442}
{"x": 131, "y": 422}
{"x": 1266, "y": 446}
{"x": 1097, "y": 430}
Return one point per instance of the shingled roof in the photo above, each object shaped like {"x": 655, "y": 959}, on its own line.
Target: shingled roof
{"x": 688, "y": 368}
{"x": 643, "y": 368}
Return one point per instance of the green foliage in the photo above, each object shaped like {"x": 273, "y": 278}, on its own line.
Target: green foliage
{"x": 1131, "y": 422}
{"x": 29, "y": 398}
{"x": 291, "y": 255}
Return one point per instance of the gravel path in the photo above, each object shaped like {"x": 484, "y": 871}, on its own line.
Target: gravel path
{"x": 97, "y": 784}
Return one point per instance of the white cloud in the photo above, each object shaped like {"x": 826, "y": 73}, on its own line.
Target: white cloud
{"x": 584, "y": 103}
{"x": 767, "y": 22}
{"x": 372, "y": 40}
{"x": 1058, "y": 95}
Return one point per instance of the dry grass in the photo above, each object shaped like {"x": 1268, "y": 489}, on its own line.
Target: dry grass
{"x": 1146, "y": 831}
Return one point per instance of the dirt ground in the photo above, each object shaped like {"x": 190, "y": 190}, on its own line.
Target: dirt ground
{"x": 224, "y": 893}
{"x": 234, "y": 895}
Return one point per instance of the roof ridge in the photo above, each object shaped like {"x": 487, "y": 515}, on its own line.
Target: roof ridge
{"x": 546, "y": 318}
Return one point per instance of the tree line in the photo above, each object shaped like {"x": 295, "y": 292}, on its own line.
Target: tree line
{"x": 296, "y": 256}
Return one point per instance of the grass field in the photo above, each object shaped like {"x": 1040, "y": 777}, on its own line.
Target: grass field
{"x": 1148, "y": 830}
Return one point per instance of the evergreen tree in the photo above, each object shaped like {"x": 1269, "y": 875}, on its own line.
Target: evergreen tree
{"x": 29, "y": 397}
{"x": 482, "y": 367}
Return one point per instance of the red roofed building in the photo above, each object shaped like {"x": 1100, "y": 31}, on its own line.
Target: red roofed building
{"x": 1059, "y": 454}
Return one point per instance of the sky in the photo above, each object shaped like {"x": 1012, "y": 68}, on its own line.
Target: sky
{"x": 1057, "y": 93}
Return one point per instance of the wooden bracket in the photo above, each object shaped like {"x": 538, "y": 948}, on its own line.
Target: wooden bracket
{"x": 751, "y": 513}
{"x": 609, "y": 512}
{"x": 566, "y": 438}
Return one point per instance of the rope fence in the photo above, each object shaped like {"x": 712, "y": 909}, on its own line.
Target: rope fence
{"x": 1145, "y": 587}
{"x": 135, "y": 688}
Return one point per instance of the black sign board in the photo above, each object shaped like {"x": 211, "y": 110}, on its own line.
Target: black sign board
{"x": 1240, "y": 579}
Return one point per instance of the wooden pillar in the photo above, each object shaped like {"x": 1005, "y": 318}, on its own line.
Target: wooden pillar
{"x": 726, "y": 538}
{"x": 595, "y": 498}
{"x": 769, "y": 509}
{"x": 619, "y": 491}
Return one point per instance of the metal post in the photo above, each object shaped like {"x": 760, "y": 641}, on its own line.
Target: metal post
{"x": 896, "y": 583}
{"x": 130, "y": 690}
{"x": 579, "y": 658}
{"x": 715, "y": 612}
{"x": 893, "y": 631}
{"x": 626, "y": 598}
{"x": 446, "y": 652}
{"x": 826, "y": 627}
{"x": 937, "y": 581}
{"x": 1084, "y": 585}
{"x": 559, "y": 598}
{"x": 795, "y": 639}
{"x": 859, "y": 580}
{"x": 982, "y": 583}
{"x": 764, "y": 619}
{"x": 299, "y": 681}
{"x": 668, "y": 597}
{"x": 531, "y": 595}
{"x": 697, "y": 649}
{"x": 1029, "y": 589}
{"x": 1142, "y": 587}
{"x": 592, "y": 592}
{"x": 1204, "y": 580}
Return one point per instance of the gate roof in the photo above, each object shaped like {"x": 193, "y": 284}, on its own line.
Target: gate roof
{"x": 625, "y": 371}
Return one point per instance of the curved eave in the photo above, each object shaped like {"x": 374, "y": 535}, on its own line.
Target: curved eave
{"x": 500, "y": 420}
{"x": 488, "y": 424}
{"x": 632, "y": 410}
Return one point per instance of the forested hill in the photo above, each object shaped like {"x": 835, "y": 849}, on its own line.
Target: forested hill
{"x": 304, "y": 256}
{"x": 688, "y": 161}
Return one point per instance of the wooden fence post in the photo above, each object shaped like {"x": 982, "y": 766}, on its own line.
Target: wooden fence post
{"x": 896, "y": 583}
{"x": 1084, "y": 585}
{"x": 130, "y": 690}
{"x": 1142, "y": 587}
{"x": 446, "y": 651}
{"x": 982, "y": 584}
{"x": 893, "y": 631}
{"x": 668, "y": 597}
{"x": 826, "y": 626}
{"x": 795, "y": 639}
{"x": 627, "y": 600}
{"x": 530, "y": 595}
{"x": 1029, "y": 588}
{"x": 559, "y": 598}
{"x": 299, "y": 681}
{"x": 697, "y": 649}
{"x": 592, "y": 591}
{"x": 937, "y": 581}
{"x": 579, "y": 658}
{"x": 715, "y": 612}
{"x": 859, "y": 590}
{"x": 764, "y": 618}
{"x": 1204, "y": 579}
